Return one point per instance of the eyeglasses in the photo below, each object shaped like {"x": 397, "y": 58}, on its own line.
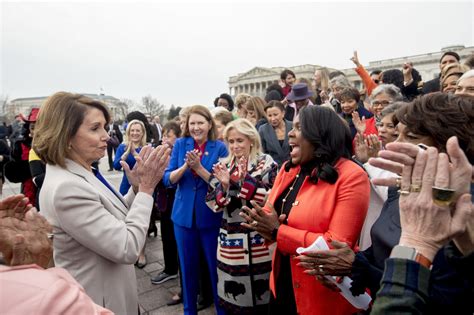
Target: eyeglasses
{"x": 381, "y": 103}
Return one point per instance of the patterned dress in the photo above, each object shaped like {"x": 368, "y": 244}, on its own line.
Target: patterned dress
{"x": 243, "y": 260}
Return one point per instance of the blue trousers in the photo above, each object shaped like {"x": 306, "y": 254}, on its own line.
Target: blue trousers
{"x": 189, "y": 240}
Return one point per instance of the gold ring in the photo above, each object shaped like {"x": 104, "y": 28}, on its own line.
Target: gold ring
{"x": 254, "y": 223}
{"x": 403, "y": 192}
{"x": 415, "y": 188}
{"x": 50, "y": 235}
{"x": 442, "y": 196}
{"x": 398, "y": 182}
{"x": 320, "y": 267}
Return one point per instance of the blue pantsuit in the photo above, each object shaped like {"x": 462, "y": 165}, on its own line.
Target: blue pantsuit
{"x": 195, "y": 224}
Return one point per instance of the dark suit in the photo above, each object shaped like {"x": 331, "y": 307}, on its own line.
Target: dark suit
{"x": 431, "y": 86}
{"x": 115, "y": 131}
{"x": 271, "y": 145}
{"x": 156, "y": 134}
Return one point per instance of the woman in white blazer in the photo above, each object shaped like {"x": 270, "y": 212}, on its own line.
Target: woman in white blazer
{"x": 98, "y": 234}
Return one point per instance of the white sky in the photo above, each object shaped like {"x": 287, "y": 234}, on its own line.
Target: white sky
{"x": 183, "y": 54}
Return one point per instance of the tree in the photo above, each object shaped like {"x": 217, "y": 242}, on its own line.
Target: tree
{"x": 173, "y": 112}
{"x": 152, "y": 106}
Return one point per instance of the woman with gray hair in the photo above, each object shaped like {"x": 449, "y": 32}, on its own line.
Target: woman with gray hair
{"x": 382, "y": 96}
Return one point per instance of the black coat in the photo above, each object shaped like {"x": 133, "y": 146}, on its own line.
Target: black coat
{"x": 431, "y": 86}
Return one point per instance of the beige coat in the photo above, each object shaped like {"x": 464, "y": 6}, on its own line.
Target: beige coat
{"x": 98, "y": 235}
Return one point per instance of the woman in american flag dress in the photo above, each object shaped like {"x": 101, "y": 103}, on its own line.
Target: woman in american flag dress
{"x": 243, "y": 259}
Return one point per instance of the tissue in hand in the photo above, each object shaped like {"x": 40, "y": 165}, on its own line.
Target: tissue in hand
{"x": 361, "y": 301}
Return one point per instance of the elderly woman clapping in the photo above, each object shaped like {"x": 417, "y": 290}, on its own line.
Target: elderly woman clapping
{"x": 98, "y": 234}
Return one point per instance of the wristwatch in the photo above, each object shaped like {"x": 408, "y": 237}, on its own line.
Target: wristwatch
{"x": 405, "y": 252}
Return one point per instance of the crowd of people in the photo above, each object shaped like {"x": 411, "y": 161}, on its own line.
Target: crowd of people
{"x": 384, "y": 176}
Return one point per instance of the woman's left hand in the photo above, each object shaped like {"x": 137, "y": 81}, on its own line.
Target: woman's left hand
{"x": 261, "y": 221}
{"x": 334, "y": 262}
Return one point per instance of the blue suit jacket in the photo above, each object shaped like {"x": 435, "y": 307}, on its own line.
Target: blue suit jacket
{"x": 190, "y": 198}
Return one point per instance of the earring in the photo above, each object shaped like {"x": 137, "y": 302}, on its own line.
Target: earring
{"x": 69, "y": 147}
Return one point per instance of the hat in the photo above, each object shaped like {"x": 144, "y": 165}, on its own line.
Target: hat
{"x": 299, "y": 91}
{"x": 32, "y": 116}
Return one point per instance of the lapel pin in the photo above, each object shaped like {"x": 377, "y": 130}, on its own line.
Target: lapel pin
{"x": 206, "y": 153}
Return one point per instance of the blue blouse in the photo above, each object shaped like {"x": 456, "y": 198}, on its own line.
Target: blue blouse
{"x": 124, "y": 185}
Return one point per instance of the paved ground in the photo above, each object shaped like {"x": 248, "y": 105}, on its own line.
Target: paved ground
{"x": 152, "y": 298}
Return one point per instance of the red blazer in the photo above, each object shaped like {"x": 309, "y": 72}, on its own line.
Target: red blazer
{"x": 335, "y": 211}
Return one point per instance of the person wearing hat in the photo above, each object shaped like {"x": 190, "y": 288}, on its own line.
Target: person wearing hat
{"x": 299, "y": 98}
{"x": 18, "y": 170}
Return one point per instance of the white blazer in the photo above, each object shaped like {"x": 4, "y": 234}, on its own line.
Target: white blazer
{"x": 98, "y": 235}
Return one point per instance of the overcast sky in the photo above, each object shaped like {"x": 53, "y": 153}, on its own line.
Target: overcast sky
{"x": 184, "y": 54}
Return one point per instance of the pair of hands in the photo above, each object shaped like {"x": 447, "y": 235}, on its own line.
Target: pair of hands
{"x": 261, "y": 221}
{"x": 149, "y": 168}
{"x": 24, "y": 233}
{"x": 221, "y": 172}
{"x": 366, "y": 147}
{"x": 427, "y": 226}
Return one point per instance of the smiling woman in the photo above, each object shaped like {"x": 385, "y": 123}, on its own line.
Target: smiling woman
{"x": 195, "y": 225}
{"x": 98, "y": 234}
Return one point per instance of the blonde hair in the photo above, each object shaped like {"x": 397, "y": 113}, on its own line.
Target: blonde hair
{"x": 241, "y": 99}
{"x": 128, "y": 143}
{"x": 245, "y": 127}
{"x": 58, "y": 121}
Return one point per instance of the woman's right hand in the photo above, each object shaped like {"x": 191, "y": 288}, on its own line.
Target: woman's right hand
{"x": 152, "y": 167}
{"x": 221, "y": 172}
{"x": 333, "y": 262}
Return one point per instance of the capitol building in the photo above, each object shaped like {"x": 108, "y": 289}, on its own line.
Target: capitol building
{"x": 117, "y": 109}
{"x": 256, "y": 80}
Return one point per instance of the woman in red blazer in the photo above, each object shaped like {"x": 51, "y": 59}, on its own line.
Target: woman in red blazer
{"x": 318, "y": 192}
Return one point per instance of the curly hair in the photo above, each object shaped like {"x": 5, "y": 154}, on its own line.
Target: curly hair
{"x": 441, "y": 116}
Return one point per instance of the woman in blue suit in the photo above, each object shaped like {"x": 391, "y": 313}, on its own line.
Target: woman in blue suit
{"x": 195, "y": 225}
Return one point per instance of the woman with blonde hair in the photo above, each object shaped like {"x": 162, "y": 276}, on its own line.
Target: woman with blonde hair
{"x": 243, "y": 261}
{"x": 240, "y": 101}
{"x": 135, "y": 139}
{"x": 255, "y": 107}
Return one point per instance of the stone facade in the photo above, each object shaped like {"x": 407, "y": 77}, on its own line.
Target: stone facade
{"x": 256, "y": 80}
{"x": 117, "y": 109}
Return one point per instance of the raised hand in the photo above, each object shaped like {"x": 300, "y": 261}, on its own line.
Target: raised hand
{"x": 355, "y": 59}
{"x": 221, "y": 172}
{"x": 359, "y": 123}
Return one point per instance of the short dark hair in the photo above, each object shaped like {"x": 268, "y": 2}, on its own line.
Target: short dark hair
{"x": 441, "y": 116}
{"x": 350, "y": 93}
{"x": 172, "y": 125}
{"x": 376, "y": 72}
{"x": 228, "y": 98}
{"x": 336, "y": 73}
{"x": 276, "y": 104}
{"x": 450, "y": 53}
{"x": 393, "y": 76}
{"x": 285, "y": 73}
{"x": 331, "y": 138}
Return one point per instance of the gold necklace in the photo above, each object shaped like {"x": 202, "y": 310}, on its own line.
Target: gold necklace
{"x": 288, "y": 193}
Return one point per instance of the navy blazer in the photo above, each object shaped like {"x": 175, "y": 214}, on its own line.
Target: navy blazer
{"x": 190, "y": 198}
